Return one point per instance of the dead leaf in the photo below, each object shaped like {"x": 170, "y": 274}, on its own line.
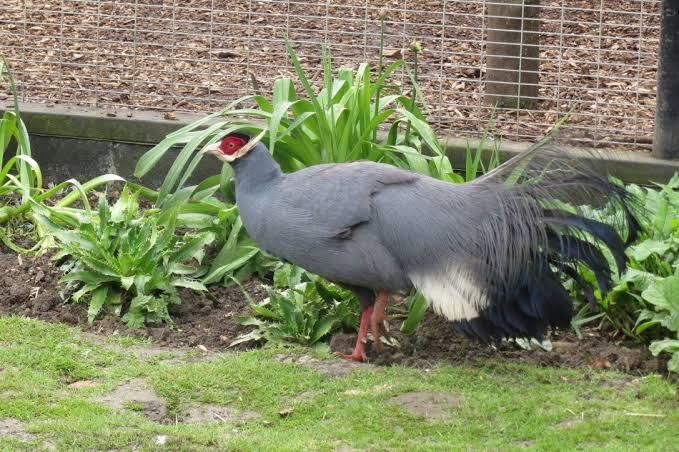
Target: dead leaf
{"x": 600, "y": 362}
{"x": 285, "y": 412}
{"x": 170, "y": 116}
{"x": 225, "y": 53}
{"x": 393, "y": 53}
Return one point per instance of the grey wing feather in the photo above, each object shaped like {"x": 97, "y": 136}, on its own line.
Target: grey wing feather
{"x": 339, "y": 197}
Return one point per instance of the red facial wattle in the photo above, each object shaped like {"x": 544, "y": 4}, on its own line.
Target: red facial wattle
{"x": 231, "y": 145}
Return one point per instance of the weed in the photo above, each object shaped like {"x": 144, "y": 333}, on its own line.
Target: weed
{"x": 119, "y": 253}
{"x": 644, "y": 301}
{"x": 301, "y": 308}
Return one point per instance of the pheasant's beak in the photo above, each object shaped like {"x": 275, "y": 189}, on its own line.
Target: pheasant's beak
{"x": 213, "y": 149}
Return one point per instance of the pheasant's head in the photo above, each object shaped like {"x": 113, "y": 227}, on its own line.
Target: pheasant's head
{"x": 231, "y": 147}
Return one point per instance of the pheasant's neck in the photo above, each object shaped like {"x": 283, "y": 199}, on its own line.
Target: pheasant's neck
{"x": 256, "y": 170}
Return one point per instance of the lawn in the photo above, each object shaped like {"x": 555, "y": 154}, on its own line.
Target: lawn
{"x": 62, "y": 389}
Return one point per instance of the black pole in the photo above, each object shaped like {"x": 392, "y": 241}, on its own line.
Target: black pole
{"x": 666, "y": 141}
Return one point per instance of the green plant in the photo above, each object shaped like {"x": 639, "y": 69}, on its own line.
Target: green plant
{"x": 474, "y": 163}
{"x": 301, "y": 308}
{"x": 644, "y": 302}
{"x": 125, "y": 260}
{"x": 416, "y": 308}
{"x": 582, "y": 318}
{"x": 656, "y": 259}
{"x": 663, "y": 295}
{"x": 21, "y": 184}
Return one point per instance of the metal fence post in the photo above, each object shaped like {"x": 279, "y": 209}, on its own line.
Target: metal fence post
{"x": 666, "y": 141}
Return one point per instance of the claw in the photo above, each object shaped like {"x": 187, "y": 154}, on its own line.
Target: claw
{"x": 359, "y": 356}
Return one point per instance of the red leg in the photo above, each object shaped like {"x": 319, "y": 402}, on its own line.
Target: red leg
{"x": 378, "y": 317}
{"x": 359, "y": 350}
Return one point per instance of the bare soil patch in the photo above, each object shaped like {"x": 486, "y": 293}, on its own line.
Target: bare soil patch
{"x": 330, "y": 368}
{"x": 136, "y": 395}
{"x": 435, "y": 405}
{"x": 30, "y": 289}
{"x": 14, "y": 428}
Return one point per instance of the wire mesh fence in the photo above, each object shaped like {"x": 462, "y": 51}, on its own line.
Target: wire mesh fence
{"x": 597, "y": 57}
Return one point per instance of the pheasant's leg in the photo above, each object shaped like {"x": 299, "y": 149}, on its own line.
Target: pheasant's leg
{"x": 377, "y": 318}
{"x": 359, "y": 350}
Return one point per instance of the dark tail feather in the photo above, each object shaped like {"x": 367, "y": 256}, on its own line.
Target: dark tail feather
{"x": 586, "y": 288}
{"x": 599, "y": 230}
{"x": 529, "y": 241}
{"x": 568, "y": 249}
{"x": 540, "y": 303}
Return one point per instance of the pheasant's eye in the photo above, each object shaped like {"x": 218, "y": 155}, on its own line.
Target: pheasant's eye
{"x": 231, "y": 144}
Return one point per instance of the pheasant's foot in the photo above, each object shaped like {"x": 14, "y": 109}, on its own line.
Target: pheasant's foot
{"x": 359, "y": 349}
{"x": 378, "y": 317}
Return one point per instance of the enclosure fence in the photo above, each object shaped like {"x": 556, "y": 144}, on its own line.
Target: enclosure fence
{"x": 596, "y": 57}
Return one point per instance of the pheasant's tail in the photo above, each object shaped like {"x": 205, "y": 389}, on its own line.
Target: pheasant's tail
{"x": 549, "y": 213}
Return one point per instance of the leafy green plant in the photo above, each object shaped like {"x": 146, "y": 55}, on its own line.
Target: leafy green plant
{"x": 474, "y": 163}
{"x": 21, "y": 181}
{"x": 301, "y": 308}
{"x": 644, "y": 302}
{"x": 127, "y": 261}
{"x": 416, "y": 308}
{"x": 663, "y": 296}
{"x": 656, "y": 261}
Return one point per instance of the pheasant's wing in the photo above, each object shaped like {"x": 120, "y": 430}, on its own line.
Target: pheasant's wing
{"x": 323, "y": 219}
{"x": 338, "y": 197}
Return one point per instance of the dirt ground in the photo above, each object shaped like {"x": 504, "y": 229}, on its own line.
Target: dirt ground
{"x": 30, "y": 289}
{"x": 198, "y": 54}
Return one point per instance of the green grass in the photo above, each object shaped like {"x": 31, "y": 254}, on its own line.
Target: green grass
{"x": 503, "y": 406}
